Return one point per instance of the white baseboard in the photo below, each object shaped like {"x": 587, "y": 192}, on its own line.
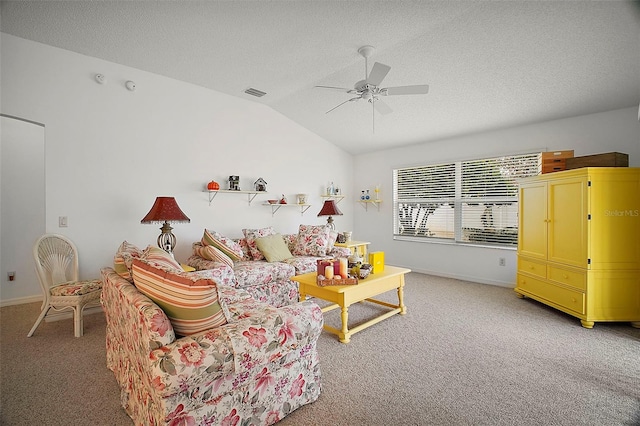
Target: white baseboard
{"x": 20, "y": 301}
{"x": 463, "y": 277}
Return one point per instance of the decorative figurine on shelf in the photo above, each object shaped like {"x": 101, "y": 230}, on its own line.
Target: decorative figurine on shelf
{"x": 260, "y": 185}
{"x": 283, "y": 200}
{"x": 213, "y": 186}
{"x": 234, "y": 183}
{"x": 331, "y": 189}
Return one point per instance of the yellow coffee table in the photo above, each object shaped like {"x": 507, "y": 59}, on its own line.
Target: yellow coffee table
{"x": 344, "y": 296}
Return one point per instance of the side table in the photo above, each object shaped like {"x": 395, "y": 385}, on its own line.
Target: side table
{"x": 359, "y": 247}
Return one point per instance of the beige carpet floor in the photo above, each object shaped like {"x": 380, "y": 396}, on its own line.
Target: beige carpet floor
{"x": 465, "y": 354}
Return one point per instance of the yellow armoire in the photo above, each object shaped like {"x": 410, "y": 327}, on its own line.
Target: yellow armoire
{"x": 579, "y": 243}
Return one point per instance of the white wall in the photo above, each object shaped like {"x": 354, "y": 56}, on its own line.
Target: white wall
{"x": 109, "y": 152}
{"x": 613, "y": 131}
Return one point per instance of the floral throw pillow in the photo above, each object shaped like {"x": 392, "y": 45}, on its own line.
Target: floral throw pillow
{"x": 312, "y": 240}
{"x": 251, "y": 235}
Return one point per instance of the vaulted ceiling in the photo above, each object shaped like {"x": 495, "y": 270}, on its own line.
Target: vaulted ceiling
{"x": 489, "y": 64}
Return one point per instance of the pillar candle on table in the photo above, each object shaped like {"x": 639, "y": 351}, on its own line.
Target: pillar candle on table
{"x": 344, "y": 267}
{"x": 328, "y": 272}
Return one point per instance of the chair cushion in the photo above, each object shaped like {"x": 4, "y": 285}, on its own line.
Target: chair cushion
{"x": 251, "y": 235}
{"x": 273, "y": 248}
{"x": 312, "y": 240}
{"x": 222, "y": 243}
{"x": 76, "y": 288}
{"x": 189, "y": 299}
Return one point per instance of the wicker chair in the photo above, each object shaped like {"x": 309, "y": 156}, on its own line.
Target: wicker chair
{"x": 56, "y": 260}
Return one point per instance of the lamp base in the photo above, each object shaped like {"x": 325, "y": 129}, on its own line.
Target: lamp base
{"x": 166, "y": 240}
{"x": 330, "y": 223}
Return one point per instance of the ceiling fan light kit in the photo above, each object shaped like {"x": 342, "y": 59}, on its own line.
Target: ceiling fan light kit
{"x": 369, "y": 90}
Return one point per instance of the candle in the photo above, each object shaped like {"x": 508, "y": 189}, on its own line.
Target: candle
{"x": 328, "y": 272}
{"x": 343, "y": 267}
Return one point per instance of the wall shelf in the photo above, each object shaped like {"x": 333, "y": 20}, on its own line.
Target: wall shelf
{"x": 276, "y": 207}
{"x": 366, "y": 203}
{"x": 338, "y": 198}
{"x": 250, "y": 194}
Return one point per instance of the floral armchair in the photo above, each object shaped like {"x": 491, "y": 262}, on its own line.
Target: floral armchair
{"x": 255, "y": 369}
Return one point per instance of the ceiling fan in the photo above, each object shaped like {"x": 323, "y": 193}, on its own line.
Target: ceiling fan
{"x": 369, "y": 89}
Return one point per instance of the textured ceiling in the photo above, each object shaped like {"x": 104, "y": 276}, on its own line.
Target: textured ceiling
{"x": 489, "y": 64}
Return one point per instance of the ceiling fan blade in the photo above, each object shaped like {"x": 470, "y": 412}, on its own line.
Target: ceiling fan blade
{"x": 342, "y": 89}
{"x": 382, "y": 107}
{"x": 348, "y": 100}
{"x": 378, "y": 73}
{"x": 420, "y": 89}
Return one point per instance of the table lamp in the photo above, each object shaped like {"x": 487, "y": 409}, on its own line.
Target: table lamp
{"x": 165, "y": 209}
{"x": 329, "y": 208}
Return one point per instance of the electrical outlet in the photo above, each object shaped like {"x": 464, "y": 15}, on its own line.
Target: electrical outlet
{"x": 11, "y": 276}
{"x": 502, "y": 261}
{"x": 62, "y": 222}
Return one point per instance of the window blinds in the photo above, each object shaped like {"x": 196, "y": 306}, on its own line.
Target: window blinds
{"x": 468, "y": 202}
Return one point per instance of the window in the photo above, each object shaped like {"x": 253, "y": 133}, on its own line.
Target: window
{"x": 473, "y": 202}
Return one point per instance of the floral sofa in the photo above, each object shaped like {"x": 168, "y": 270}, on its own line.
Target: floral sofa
{"x": 240, "y": 361}
{"x": 251, "y": 265}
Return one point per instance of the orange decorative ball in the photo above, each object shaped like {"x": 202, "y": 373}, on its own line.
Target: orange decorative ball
{"x": 213, "y": 186}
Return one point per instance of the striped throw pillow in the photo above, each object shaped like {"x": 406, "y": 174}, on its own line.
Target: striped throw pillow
{"x": 189, "y": 300}
{"x": 159, "y": 257}
{"x": 212, "y": 253}
{"x": 222, "y": 243}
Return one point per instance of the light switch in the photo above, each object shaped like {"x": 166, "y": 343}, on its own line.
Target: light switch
{"x": 62, "y": 222}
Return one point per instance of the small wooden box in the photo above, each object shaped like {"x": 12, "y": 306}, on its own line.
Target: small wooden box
{"x": 335, "y": 281}
{"x": 376, "y": 260}
{"x": 554, "y": 161}
{"x": 609, "y": 159}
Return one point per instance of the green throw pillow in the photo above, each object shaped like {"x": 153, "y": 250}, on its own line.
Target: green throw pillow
{"x": 273, "y": 248}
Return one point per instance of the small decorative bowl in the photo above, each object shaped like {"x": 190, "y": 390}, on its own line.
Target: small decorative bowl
{"x": 365, "y": 270}
{"x": 272, "y": 201}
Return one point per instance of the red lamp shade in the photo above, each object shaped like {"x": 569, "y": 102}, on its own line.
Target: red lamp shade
{"x": 329, "y": 208}
{"x": 165, "y": 209}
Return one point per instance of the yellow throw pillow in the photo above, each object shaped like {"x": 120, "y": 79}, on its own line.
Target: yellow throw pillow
{"x": 273, "y": 248}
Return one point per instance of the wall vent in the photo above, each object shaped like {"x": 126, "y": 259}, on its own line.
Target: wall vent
{"x": 255, "y": 92}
